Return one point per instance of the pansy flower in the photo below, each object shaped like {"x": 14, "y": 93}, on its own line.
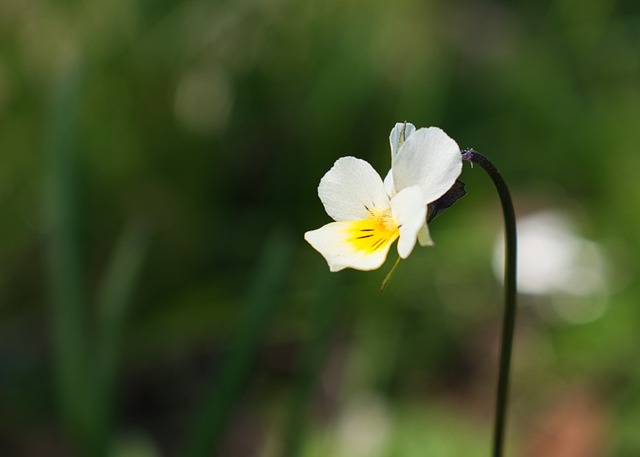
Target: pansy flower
{"x": 370, "y": 214}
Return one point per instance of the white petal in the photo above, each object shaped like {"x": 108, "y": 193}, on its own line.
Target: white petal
{"x": 338, "y": 244}
{"x": 424, "y": 236}
{"x": 409, "y": 211}
{"x": 350, "y": 189}
{"x": 389, "y": 187}
{"x": 429, "y": 159}
{"x": 399, "y": 134}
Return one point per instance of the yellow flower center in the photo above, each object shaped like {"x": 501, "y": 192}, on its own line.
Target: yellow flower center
{"x": 369, "y": 235}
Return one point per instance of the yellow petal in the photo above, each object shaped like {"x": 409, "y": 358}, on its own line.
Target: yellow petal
{"x": 361, "y": 244}
{"x": 370, "y": 235}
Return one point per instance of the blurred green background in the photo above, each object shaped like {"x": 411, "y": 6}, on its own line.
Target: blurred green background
{"x": 158, "y": 168}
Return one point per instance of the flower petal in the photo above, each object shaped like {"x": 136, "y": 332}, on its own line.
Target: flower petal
{"x": 362, "y": 244}
{"x": 351, "y": 189}
{"x": 389, "y": 187}
{"x": 429, "y": 158}
{"x": 424, "y": 236}
{"x": 409, "y": 211}
{"x": 399, "y": 134}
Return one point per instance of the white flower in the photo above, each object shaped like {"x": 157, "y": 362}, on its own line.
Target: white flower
{"x": 371, "y": 214}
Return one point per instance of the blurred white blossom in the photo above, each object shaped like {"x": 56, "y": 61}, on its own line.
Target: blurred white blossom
{"x": 553, "y": 260}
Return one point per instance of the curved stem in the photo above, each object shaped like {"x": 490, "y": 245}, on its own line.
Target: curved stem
{"x": 508, "y": 323}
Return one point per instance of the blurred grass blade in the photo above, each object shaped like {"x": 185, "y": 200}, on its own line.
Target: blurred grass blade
{"x": 114, "y": 300}
{"x": 311, "y": 363}
{"x": 219, "y": 404}
{"x": 63, "y": 259}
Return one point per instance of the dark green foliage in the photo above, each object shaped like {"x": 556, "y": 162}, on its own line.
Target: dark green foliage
{"x": 148, "y": 150}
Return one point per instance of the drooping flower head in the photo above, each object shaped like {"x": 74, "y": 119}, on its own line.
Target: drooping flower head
{"x": 370, "y": 214}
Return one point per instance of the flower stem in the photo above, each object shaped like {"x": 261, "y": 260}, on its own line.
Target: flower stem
{"x": 387, "y": 278}
{"x": 510, "y": 288}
